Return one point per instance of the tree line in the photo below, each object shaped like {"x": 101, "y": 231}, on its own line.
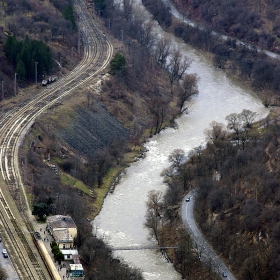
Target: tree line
{"x": 25, "y": 54}
{"x": 259, "y": 70}
{"x": 237, "y": 190}
{"x": 238, "y": 19}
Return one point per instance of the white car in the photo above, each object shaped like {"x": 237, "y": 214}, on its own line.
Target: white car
{"x": 5, "y": 254}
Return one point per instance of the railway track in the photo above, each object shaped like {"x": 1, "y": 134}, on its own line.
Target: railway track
{"x": 97, "y": 55}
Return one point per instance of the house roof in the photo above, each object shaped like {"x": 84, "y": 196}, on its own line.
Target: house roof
{"x": 76, "y": 267}
{"x": 60, "y": 221}
{"x": 69, "y": 252}
{"x": 62, "y": 235}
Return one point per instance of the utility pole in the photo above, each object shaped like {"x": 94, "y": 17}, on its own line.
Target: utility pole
{"x": 36, "y": 63}
{"x": 3, "y": 96}
{"x": 15, "y": 84}
{"x": 79, "y": 42}
{"x": 121, "y": 34}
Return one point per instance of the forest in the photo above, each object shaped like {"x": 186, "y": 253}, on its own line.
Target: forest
{"x": 257, "y": 22}
{"x": 24, "y": 55}
{"x": 237, "y": 192}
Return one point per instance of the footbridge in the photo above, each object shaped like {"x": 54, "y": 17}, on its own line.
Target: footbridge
{"x": 143, "y": 248}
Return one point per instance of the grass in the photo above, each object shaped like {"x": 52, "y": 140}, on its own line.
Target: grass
{"x": 67, "y": 179}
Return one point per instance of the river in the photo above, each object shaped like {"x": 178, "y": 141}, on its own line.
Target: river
{"x": 120, "y": 222}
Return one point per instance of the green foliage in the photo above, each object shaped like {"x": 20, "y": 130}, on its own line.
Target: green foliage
{"x": 40, "y": 210}
{"x": 53, "y": 244}
{"x": 118, "y": 64}
{"x": 69, "y": 15}
{"x": 21, "y": 70}
{"x": 100, "y": 6}
{"x": 24, "y": 54}
{"x": 58, "y": 256}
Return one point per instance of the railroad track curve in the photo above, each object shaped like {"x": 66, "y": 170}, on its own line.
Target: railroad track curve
{"x": 97, "y": 55}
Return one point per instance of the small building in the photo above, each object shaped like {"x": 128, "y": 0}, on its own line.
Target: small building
{"x": 70, "y": 254}
{"x": 63, "y": 229}
{"x": 76, "y": 270}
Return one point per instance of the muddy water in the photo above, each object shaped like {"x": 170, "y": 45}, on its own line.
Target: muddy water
{"x": 120, "y": 222}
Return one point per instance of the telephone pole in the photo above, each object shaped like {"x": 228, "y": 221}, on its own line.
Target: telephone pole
{"x": 79, "y": 42}
{"x": 15, "y": 84}
{"x": 3, "y": 96}
{"x": 36, "y": 63}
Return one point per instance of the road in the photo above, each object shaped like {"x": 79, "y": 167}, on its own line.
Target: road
{"x": 14, "y": 208}
{"x": 179, "y": 16}
{"x": 202, "y": 247}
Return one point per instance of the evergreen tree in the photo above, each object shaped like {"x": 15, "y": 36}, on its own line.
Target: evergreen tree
{"x": 69, "y": 15}
{"x": 118, "y": 64}
{"x": 20, "y": 70}
{"x": 24, "y": 54}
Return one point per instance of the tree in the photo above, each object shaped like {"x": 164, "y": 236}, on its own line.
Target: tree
{"x": 21, "y": 70}
{"x": 162, "y": 50}
{"x": 189, "y": 88}
{"x": 247, "y": 117}
{"x": 41, "y": 210}
{"x": 69, "y": 15}
{"x": 117, "y": 64}
{"x": 176, "y": 158}
{"x": 154, "y": 207}
{"x": 235, "y": 124}
{"x": 158, "y": 108}
{"x": 177, "y": 67}
{"x": 217, "y": 132}
{"x": 145, "y": 35}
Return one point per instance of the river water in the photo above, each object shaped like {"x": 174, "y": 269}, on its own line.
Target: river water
{"x": 120, "y": 222}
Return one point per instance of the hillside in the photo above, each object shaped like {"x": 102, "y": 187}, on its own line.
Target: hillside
{"x": 237, "y": 203}
{"x": 41, "y": 21}
{"x": 253, "y": 21}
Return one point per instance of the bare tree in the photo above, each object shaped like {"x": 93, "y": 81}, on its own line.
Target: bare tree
{"x": 176, "y": 158}
{"x": 127, "y": 9}
{"x": 217, "y": 131}
{"x": 145, "y": 35}
{"x": 162, "y": 50}
{"x": 177, "y": 66}
{"x": 235, "y": 124}
{"x": 189, "y": 88}
{"x": 248, "y": 117}
{"x": 158, "y": 108}
{"x": 154, "y": 208}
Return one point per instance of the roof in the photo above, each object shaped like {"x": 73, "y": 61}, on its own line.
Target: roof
{"x": 60, "y": 221}
{"x": 62, "y": 235}
{"x": 69, "y": 252}
{"x": 76, "y": 266}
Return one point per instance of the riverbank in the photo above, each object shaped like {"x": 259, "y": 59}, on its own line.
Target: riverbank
{"x": 213, "y": 46}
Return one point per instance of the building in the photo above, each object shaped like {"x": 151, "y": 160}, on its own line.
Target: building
{"x": 63, "y": 229}
{"x": 70, "y": 254}
{"x": 76, "y": 270}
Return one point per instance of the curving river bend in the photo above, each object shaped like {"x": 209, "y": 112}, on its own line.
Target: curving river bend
{"x": 120, "y": 222}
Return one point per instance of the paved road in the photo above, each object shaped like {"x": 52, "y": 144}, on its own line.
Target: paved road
{"x": 202, "y": 247}
{"x": 8, "y": 266}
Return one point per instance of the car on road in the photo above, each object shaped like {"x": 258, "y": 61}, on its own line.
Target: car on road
{"x": 224, "y": 274}
{"x": 188, "y": 199}
{"x": 5, "y": 254}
